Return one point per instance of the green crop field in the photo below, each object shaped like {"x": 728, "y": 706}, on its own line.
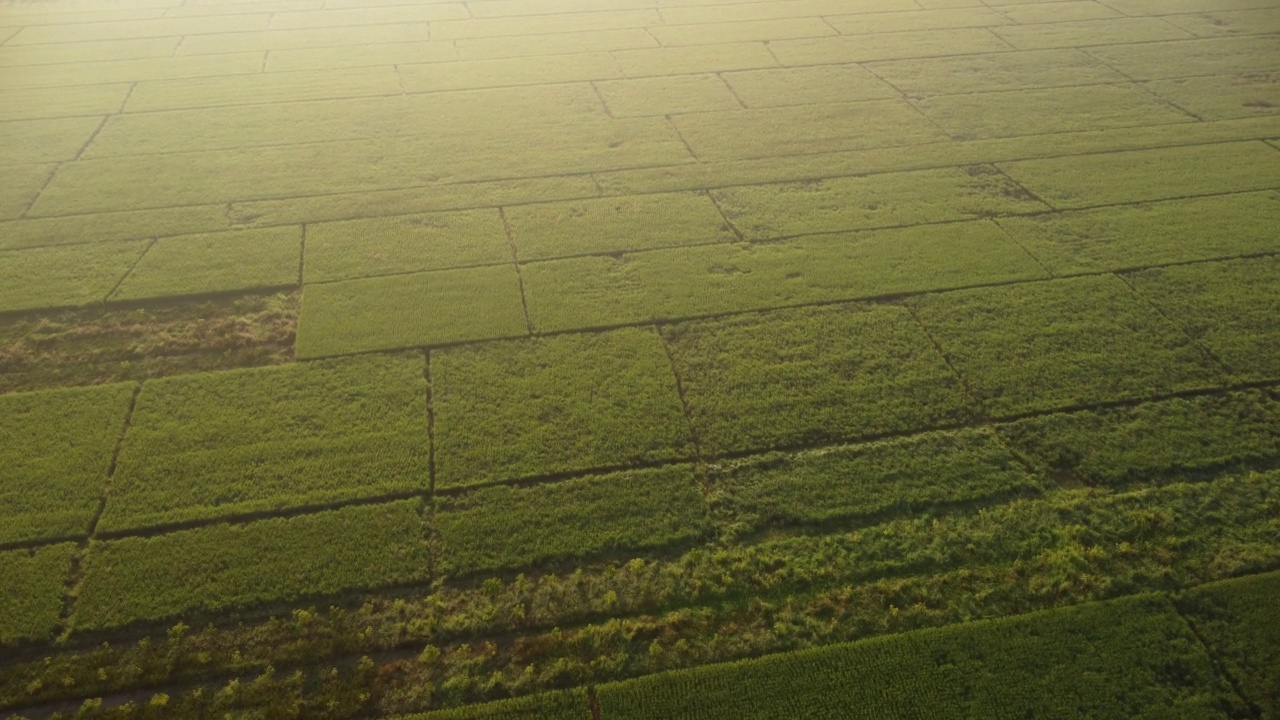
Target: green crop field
{"x": 639, "y": 359}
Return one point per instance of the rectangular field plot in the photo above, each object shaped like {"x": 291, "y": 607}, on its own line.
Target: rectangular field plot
{"x": 1013, "y": 113}
{"x": 555, "y": 705}
{"x": 800, "y": 377}
{"x": 1189, "y": 58}
{"x": 779, "y": 87}
{"x": 804, "y": 129}
{"x": 1231, "y": 307}
{"x": 1131, "y": 236}
{"x": 220, "y": 444}
{"x": 1223, "y": 97}
{"x": 369, "y": 247}
{"x": 778, "y": 210}
{"x": 215, "y": 263}
{"x": 552, "y": 405}
{"x": 227, "y": 566}
{"x": 60, "y": 103}
{"x": 1062, "y": 343}
{"x": 22, "y": 183}
{"x": 54, "y": 459}
{"x": 1236, "y": 619}
{"x": 512, "y": 527}
{"x": 1178, "y": 439}
{"x": 637, "y": 97}
{"x": 400, "y": 311}
{"x": 615, "y": 224}
{"x": 688, "y": 282}
{"x": 1085, "y": 33}
{"x": 45, "y": 140}
{"x": 1138, "y": 175}
{"x": 887, "y": 46}
{"x": 1099, "y": 661}
{"x": 995, "y": 71}
{"x": 855, "y": 481}
{"x": 34, "y": 583}
{"x": 64, "y": 277}
{"x": 104, "y": 227}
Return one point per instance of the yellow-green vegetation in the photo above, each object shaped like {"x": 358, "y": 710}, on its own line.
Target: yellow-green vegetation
{"x": 613, "y": 225}
{"x": 101, "y": 227}
{"x": 244, "y": 441}
{"x": 995, "y": 71}
{"x": 1188, "y": 58}
{"x": 57, "y": 449}
{"x": 666, "y": 95}
{"x": 400, "y": 311}
{"x": 505, "y": 527}
{"x": 554, "y": 405}
{"x": 1177, "y": 439}
{"x": 1131, "y": 236}
{"x": 1231, "y": 307}
{"x": 806, "y": 85}
{"x": 687, "y": 282}
{"x": 1130, "y": 658}
{"x": 22, "y": 183}
{"x": 35, "y": 581}
{"x": 1138, "y": 175}
{"x": 46, "y": 139}
{"x": 215, "y": 263}
{"x": 561, "y": 705}
{"x": 1062, "y": 343}
{"x": 64, "y": 277}
{"x": 1087, "y": 33}
{"x": 867, "y": 47}
{"x": 762, "y": 212}
{"x": 811, "y": 376}
{"x": 912, "y": 474}
{"x": 1236, "y": 621}
{"x": 1221, "y": 97}
{"x": 402, "y": 244}
{"x": 224, "y": 566}
{"x": 100, "y": 345}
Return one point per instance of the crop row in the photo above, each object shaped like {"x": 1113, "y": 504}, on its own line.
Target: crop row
{"x": 244, "y": 442}
{"x": 715, "y": 603}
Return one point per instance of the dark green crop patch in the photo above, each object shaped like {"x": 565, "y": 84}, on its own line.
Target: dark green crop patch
{"x": 812, "y": 376}
{"x": 370, "y": 247}
{"x": 885, "y": 200}
{"x": 688, "y": 282}
{"x": 54, "y": 459}
{"x": 1231, "y": 307}
{"x": 851, "y": 481}
{"x": 401, "y": 311}
{"x": 1124, "y": 659}
{"x": 220, "y": 567}
{"x": 216, "y": 263}
{"x": 1181, "y": 438}
{"x": 1039, "y": 346}
{"x": 64, "y": 277}
{"x": 1237, "y": 620}
{"x": 523, "y": 408}
{"x": 219, "y": 444}
{"x": 555, "y": 705}
{"x": 505, "y": 527}
{"x": 34, "y": 583}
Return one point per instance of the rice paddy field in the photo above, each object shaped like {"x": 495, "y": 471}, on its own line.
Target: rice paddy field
{"x": 639, "y": 359}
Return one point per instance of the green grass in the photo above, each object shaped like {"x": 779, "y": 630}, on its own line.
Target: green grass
{"x": 404, "y": 243}
{"x": 687, "y": 282}
{"x": 505, "y": 527}
{"x": 63, "y": 277}
{"x": 1062, "y": 343}
{"x": 1182, "y": 438}
{"x": 221, "y": 567}
{"x": 551, "y": 405}
{"x": 217, "y": 444}
{"x": 34, "y": 580}
{"x": 403, "y": 311}
{"x": 886, "y": 200}
{"x": 1236, "y": 619}
{"x": 215, "y": 263}
{"x": 1131, "y": 236}
{"x": 1081, "y": 181}
{"x": 851, "y": 481}
{"x": 1231, "y": 307}
{"x": 556, "y": 705}
{"x": 811, "y": 376}
{"x": 1012, "y": 113}
{"x": 54, "y": 459}
{"x": 612, "y": 225}
{"x": 1126, "y": 659}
